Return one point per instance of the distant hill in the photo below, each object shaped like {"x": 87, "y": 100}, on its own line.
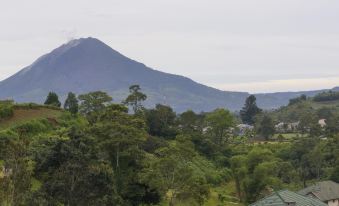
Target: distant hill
{"x": 87, "y": 64}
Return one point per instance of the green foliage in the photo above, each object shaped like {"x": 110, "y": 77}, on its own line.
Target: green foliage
{"x": 107, "y": 156}
{"x": 71, "y": 103}
{"x": 265, "y": 127}
{"x": 17, "y": 170}
{"x": 297, "y": 100}
{"x": 135, "y": 98}
{"x": 161, "y": 121}
{"x": 250, "y": 110}
{"x": 52, "y": 99}
{"x": 219, "y": 123}
{"x": 190, "y": 122}
{"x": 93, "y": 103}
{"x": 326, "y": 96}
{"x": 172, "y": 171}
{"x": 6, "y": 111}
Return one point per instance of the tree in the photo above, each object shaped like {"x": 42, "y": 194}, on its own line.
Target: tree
{"x": 75, "y": 175}
{"x": 161, "y": 121}
{"x": 250, "y": 110}
{"x": 332, "y": 125}
{"x": 191, "y": 122}
{"x": 297, "y": 100}
{"x": 93, "y": 103}
{"x": 239, "y": 171}
{"x": 71, "y": 103}
{"x": 16, "y": 170}
{"x": 53, "y": 100}
{"x": 219, "y": 123}
{"x": 306, "y": 120}
{"x": 266, "y": 127}
{"x": 120, "y": 138}
{"x": 335, "y": 174}
{"x": 135, "y": 98}
{"x": 172, "y": 174}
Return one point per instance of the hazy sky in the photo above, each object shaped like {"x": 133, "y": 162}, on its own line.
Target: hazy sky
{"x": 243, "y": 45}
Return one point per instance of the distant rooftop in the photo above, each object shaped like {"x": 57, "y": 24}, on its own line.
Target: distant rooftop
{"x": 286, "y": 197}
{"x": 326, "y": 190}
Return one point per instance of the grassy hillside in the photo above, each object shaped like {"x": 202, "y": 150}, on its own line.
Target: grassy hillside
{"x": 292, "y": 113}
{"x": 22, "y": 115}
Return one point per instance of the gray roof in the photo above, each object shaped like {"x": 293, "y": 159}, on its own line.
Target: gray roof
{"x": 286, "y": 197}
{"x": 326, "y": 190}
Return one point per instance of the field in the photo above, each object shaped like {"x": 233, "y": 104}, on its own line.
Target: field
{"x": 25, "y": 115}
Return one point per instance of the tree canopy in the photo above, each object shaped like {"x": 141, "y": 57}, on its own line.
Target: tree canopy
{"x": 250, "y": 110}
{"x": 53, "y": 100}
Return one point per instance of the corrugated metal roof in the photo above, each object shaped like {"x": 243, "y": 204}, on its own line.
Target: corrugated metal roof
{"x": 285, "y": 197}
{"x": 325, "y": 190}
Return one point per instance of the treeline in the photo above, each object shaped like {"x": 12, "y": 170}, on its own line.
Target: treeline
{"x": 326, "y": 96}
{"x": 101, "y": 153}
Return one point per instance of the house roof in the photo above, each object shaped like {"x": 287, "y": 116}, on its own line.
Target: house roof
{"x": 286, "y": 197}
{"x": 326, "y": 190}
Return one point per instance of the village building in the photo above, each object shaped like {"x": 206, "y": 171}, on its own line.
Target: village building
{"x": 280, "y": 127}
{"x": 242, "y": 129}
{"x": 283, "y": 127}
{"x": 288, "y": 198}
{"x": 326, "y": 191}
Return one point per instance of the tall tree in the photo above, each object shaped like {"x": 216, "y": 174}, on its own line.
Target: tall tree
{"x": 171, "y": 172}
{"x": 16, "y": 170}
{"x": 120, "y": 136}
{"x": 250, "y": 110}
{"x": 266, "y": 127}
{"x": 52, "y": 99}
{"x": 93, "y": 103}
{"x": 135, "y": 98}
{"x": 161, "y": 121}
{"x": 71, "y": 103}
{"x": 190, "y": 122}
{"x": 76, "y": 175}
{"x": 219, "y": 123}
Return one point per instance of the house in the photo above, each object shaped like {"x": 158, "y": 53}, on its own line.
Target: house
{"x": 288, "y": 198}
{"x": 326, "y": 191}
{"x": 242, "y": 129}
{"x": 293, "y": 126}
{"x": 283, "y": 127}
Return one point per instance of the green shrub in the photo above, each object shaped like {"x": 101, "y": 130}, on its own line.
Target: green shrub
{"x": 6, "y": 110}
{"x": 34, "y": 127}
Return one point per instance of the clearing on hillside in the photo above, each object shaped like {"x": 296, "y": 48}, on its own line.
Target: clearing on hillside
{"x": 25, "y": 115}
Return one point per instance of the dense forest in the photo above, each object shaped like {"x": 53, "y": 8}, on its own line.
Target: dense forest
{"x": 95, "y": 152}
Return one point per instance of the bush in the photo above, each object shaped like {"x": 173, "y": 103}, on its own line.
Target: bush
{"x": 34, "y": 127}
{"x": 6, "y": 109}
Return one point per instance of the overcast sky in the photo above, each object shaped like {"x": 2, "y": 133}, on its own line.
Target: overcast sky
{"x": 242, "y": 45}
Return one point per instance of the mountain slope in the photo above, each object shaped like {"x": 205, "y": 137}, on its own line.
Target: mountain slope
{"x": 87, "y": 64}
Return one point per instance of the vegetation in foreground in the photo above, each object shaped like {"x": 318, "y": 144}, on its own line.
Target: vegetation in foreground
{"x": 94, "y": 152}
